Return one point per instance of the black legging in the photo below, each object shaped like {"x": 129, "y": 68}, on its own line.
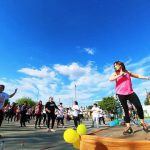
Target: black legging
{"x": 60, "y": 119}
{"x": 76, "y": 121}
{"x": 23, "y": 119}
{"x": 1, "y": 117}
{"x": 49, "y": 117}
{"x": 38, "y": 119}
{"x": 101, "y": 119}
{"x": 133, "y": 98}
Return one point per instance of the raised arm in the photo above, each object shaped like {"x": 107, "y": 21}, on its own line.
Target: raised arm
{"x": 139, "y": 76}
{"x": 11, "y": 95}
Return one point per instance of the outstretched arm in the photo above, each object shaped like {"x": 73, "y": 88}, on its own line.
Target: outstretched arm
{"x": 139, "y": 76}
{"x": 11, "y": 95}
{"x": 56, "y": 107}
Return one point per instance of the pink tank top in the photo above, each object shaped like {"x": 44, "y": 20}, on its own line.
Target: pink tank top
{"x": 124, "y": 85}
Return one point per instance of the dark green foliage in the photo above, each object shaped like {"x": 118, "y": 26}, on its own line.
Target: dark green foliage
{"x": 29, "y": 101}
{"x": 147, "y": 100}
{"x": 89, "y": 107}
{"x": 108, "y": 104}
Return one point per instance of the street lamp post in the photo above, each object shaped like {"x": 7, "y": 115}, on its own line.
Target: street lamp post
{"x": 75, "y": 94}
{"x": 37, "y": 95}
{"x": 148, "y": 95}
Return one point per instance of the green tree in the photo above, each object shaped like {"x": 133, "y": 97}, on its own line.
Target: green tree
{"x": 111, "y": 104}
{"x": 29, "y": 101}
{"x": 147, "y": 100}
{"x": 89, "y": 107}
{"x": 108, "y": 104}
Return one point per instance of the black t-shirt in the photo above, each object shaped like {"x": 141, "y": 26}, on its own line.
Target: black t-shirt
{"x": 24, "y": 110}
{"x": 51, "y": 106}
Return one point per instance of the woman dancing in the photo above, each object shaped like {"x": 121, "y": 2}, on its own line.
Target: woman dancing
{"x": 125, "y": 92}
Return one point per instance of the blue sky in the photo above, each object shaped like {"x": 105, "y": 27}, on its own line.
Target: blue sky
{"x": 49, "y": 46}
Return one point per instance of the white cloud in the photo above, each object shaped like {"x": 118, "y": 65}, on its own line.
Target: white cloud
{"x": 43, "y": 72}
{"x": 91, "y": 83}
{"x": 139, "y": 64}
{"x": 90, "y": 51}
{"x": 73, "y": 71}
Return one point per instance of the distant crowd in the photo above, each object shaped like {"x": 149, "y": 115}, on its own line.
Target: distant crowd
{"x": 50, "y": 114}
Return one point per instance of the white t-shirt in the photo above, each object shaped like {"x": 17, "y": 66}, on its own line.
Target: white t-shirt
{"x": 101, "y": 113}
{"x": 96, "y": 111}
{"x": 81, "y": 111}
{"x": 76, "y": 110}
{"x": 3, "y": 96}
{"x": 60, "y": 112}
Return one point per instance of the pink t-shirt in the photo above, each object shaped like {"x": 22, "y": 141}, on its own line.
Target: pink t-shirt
{"x": 124, "y": 85}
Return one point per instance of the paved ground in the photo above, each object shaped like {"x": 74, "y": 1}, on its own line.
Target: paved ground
{"x": 28, "y": 138}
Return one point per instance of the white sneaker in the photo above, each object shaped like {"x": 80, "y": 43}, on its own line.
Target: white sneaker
{"x": 53, "y": 130}
{"x": 48, "y": 130}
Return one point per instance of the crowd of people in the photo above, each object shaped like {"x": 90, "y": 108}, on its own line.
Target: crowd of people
{"x": 51, "y": 114}
{"x": 48, "y": 114}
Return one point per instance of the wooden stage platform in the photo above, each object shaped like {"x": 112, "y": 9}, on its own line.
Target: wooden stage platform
{"x": 112, "y": 138}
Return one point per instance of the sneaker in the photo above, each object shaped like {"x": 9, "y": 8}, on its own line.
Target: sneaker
{"x": 53, "y": 130}
{"x": 145, "y": 127}
{"x": 39, "y": 127}
{"x": 48, "y": 130}
{"x": 74, "y": 128}
{"x": 92, "y": 126}
{"x": 127, "y": 131}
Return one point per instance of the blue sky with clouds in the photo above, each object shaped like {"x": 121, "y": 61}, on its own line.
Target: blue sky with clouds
{"x": 49, "y": 46}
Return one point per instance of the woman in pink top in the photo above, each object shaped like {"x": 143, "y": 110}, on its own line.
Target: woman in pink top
{"x": 125, "y": 92}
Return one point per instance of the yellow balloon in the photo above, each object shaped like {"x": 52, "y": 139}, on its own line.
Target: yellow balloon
{"x": 77, "y": 138}
{"x": 76, "y": 145}
{"x": 71, "y": 136}
{"x": 81, "y": 129}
